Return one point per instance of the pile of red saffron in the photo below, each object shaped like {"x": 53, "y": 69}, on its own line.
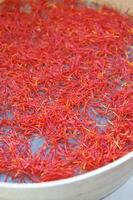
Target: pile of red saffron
{"x": 65, "y": 89}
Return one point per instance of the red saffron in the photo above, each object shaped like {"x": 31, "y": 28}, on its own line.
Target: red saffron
{"x": 65, "y": 89}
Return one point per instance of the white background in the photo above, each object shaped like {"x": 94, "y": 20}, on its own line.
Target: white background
{"x": 123, "y": 193}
